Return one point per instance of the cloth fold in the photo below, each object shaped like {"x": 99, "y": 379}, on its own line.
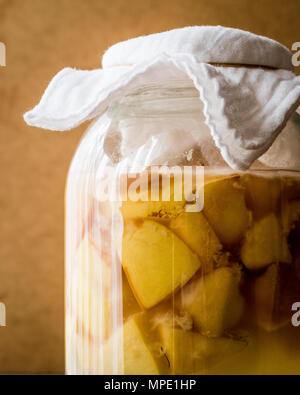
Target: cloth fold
{"x": 208, "y": 44}
{"x": 245, "y": 108}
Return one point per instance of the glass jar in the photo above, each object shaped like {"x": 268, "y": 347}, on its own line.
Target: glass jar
{"x": 175, "y": 263}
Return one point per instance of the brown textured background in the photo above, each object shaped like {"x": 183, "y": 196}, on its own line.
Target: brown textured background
{"x": 43, "y": 36}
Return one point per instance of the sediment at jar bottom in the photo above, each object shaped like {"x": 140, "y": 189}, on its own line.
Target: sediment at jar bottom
{"x": 199, "y": 289}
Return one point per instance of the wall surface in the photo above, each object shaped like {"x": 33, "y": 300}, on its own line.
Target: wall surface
{"x": 41, "y": 38}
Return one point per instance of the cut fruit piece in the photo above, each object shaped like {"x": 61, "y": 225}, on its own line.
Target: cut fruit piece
{"x": 263, "y": 194}
{"x": 154, "y": 210}
{"x": 274, "y": 293}
{"x": 130, "y": 305}
{"x": 225, "y": 208}
{"x": 143, "y": 353}
{"x": 214, "y": 301}
{"x": 192, "y": 353}
{"x": 291, "y": 187}
{"x": 290, "y": 215}
{"x": 265, "y": 243}
{"x": 168, "y": 204}
{"x": 156, "y": 261}
{"x": 196, "y": 232}
{"x": 294, "y": 239}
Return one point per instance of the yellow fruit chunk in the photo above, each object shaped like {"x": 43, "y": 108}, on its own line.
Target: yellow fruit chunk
{"x": 225, "y": 208}
{"x": 274, "y": 293}
{"x": 294, "y": 239}
{"x": 140, "y": 355}
{"x": 168, "y": 204}
{"x": 265, "y": 243}
{"x": 291, "y": 187}
{"x": 192, "y": 353}
{"x": 214, "y": 301}
{"x": 154, "y": 210}
{"x": 263, "y": 194}
{"x": 156, "y": 261}
{"x": 131, "y": 350}
{"x": 290, "y": 215}
{"x": 138, "y": 347}
{"x": 196, "y": 232}
{"x": 130, "y": 305}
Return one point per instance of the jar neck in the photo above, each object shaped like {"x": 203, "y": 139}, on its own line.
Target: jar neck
{"x": 177, "y": 98}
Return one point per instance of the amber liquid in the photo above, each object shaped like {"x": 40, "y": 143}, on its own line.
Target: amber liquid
{"x": 159, "y": 290}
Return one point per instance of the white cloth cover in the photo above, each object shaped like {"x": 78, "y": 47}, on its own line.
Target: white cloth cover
{"x": 245, "y": 108}
{"x": 207, "y": 44}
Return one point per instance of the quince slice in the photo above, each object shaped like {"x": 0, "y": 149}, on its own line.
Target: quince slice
{"x": 274, "y": 293}
{"x": 170, "y": 202}
{"x": 142, "y": 351}
{"x": 139, "y": 349}
{"x": 133, "y": 349}
{"x": 130, "y": 305}
{"x": 291, "y": 187}
{"x": 265, "y": 243}
{"x": 192, "y": 353}
{"x": 225, "y": 209}
{"x": 151, "y": 210}
{"x": 263, "y": 194}
{"x": 156, "y": 261}
{"x": 290, "y": 215}
{"x": 196, "y": 232}
{"x": 214, "y": 301}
